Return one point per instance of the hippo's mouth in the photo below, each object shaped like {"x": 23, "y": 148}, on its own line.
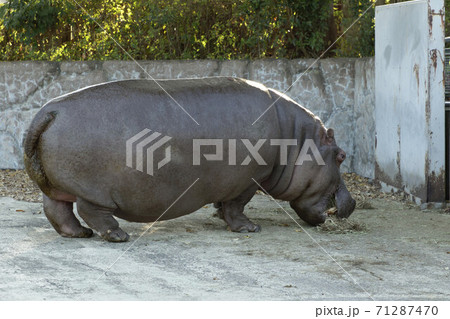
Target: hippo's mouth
{"x": 316, "y": 214}
{"x": 342, "y": 201}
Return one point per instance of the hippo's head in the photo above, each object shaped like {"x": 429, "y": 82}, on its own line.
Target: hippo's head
{"x": 321, "y": 182}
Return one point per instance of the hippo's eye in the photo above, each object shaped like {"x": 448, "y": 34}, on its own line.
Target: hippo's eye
{"x": 336, "y": 151}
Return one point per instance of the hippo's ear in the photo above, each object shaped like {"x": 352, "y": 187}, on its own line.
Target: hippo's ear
{"x": 326, "y": 137}
{"x": 330, "y": 133}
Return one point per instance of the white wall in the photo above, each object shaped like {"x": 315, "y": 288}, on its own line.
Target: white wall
{"x": 409, "y": 98}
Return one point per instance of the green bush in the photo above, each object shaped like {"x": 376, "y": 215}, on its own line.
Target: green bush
{"x": 195, "y": 29}
{"x": 191, "y": 29}
{"x": 359, "y": 40}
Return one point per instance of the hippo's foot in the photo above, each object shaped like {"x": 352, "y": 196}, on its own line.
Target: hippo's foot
{"x": 101, "y": 220}
{"x": 61, "y": 216}
{"x": 82, "y": 232}
{"x": 232, "y": 212}
{"x": 116, "y": 235}
{"x": 244, "y": 226}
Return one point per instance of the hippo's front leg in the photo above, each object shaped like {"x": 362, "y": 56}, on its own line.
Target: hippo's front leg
{"x": 232, "y": 212}
{"x": 101, "y": 219}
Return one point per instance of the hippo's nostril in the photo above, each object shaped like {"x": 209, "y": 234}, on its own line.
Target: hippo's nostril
{"x": 341, "y": 156}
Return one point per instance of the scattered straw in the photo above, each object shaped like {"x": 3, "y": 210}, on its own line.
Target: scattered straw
{"x": 341, "y": 226}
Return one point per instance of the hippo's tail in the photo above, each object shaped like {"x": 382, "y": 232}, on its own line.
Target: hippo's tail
{"x": 31, "y": 157}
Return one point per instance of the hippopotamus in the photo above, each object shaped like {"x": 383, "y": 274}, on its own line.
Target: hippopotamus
{"x": 221, "y": 142}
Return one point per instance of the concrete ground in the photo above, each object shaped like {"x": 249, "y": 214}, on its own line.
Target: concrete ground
{"x": 404, "y": 254}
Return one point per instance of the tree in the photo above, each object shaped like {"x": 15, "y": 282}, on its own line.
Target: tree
{"x": 184, "y": 29}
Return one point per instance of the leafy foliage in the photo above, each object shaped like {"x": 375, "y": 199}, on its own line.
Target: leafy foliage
{"x": 189, "y": 29}
{"x": 447, "y": 17}
{"x": 164, "y": 29}
{"x": 359, "y": 40}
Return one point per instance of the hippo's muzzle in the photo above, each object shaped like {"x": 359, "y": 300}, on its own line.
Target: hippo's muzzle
{"x": 345, "y": 204}
{"x": 315, "y": 214}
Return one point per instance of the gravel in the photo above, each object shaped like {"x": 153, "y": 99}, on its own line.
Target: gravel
{"x": 18, "y": 185}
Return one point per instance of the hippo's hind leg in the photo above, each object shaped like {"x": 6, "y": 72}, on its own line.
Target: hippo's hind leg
{"x": 101, "y": 219}
{"x": 232, "y": 212}
{"x": 61, "y": 216}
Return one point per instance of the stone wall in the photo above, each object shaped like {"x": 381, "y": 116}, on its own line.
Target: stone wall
{"x": 339, "y": 91}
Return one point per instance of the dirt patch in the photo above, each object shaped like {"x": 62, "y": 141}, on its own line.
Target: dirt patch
{"x": 193, "y": 257}
{"x": 18, "y": 185}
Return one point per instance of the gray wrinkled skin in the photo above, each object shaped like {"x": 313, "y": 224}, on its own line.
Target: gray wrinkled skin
{"x": 75, "y": 151}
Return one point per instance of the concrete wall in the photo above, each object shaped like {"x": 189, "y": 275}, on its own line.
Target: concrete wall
{"x": 339, "y": 91}
{"x": 410, "y": 125}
